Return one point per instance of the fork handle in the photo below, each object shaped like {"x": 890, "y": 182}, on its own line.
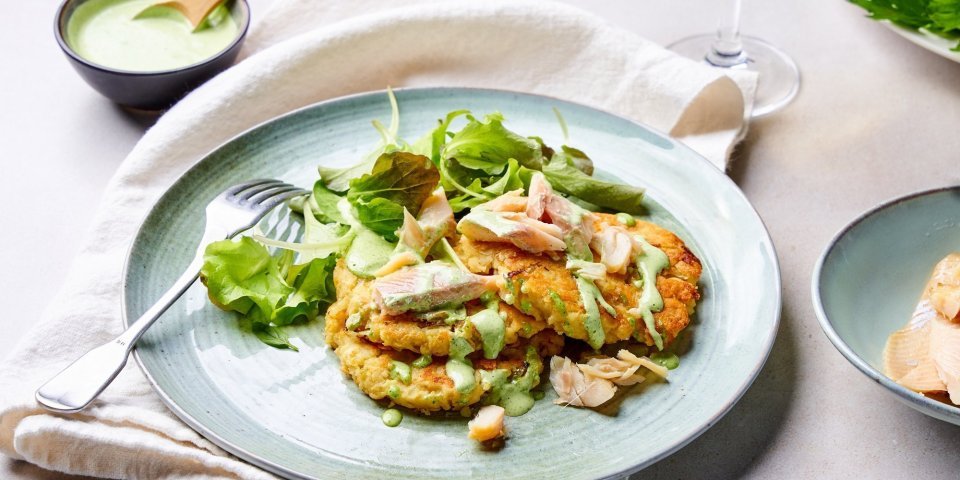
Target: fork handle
{"x": 82, "y": 381}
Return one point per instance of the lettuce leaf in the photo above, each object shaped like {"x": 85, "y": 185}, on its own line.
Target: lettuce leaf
{"x": 243, "y": 277}
{"x": 909, "y": 13}
{"x": 398, "y": 180}
{"x": 488, "y": 145}
{"x": 479, "y": 189}
{"x": 313, "y": 291}
{"x": 940, "y": 17}
{"x": 323, "y": 203}
{"x": 945, "y": 14}
{"x": 565, "y": 177}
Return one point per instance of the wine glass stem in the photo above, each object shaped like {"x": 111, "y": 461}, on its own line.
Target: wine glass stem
{"x": 727, "y": 49}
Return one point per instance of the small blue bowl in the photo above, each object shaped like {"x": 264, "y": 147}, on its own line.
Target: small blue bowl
{"x": 869, "y": 279}
{"x": 156, "y": 90}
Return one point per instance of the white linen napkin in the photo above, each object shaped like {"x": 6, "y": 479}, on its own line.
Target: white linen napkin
{"x": 301, "y": 52}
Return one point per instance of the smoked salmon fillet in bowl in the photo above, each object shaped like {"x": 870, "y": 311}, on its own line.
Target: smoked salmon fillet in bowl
{"x": 879, "y": 289}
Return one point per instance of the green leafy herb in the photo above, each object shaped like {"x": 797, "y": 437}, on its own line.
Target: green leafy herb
{"x": 479, "y": 189}
{"x": 399, "y": 180}
{"x": 488, "y": 145}
{"x": 323, "y": 202}
{"x": 242, "y": 276}
{"x": 380, "y": 215}
{"x": 940, "y": 17}
{"x": 338, "y": 179}
{"x": 273, "y": 336}
{"x": 567, "y": 178}
{"x": 945, "y": 14}
{"x": 313, "y": 291}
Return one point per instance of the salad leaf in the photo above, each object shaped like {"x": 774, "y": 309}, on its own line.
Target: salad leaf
{"x": 313, "y": 291}
{"x": 242, "y": 275}
{"x": 382, "y": 216}
{"x": 273, "y": 336}
{"x": 431, "y": 144}
{"x": 323, "y": 203}
{"x": 479, "y": 189}
{"x": 940, "y": 17}
{"x": 565, "y": 177}
{"x": 488, "y": 145}
{"x": 338, "y": 179}
{"x": 398, "y": 181}
{"x": 578, "y": 159}
{"x": 945, "y": 14}
{"x": 909, "y": 13}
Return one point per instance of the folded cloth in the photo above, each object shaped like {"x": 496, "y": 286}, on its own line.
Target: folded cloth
{"x": 301, "y": 52}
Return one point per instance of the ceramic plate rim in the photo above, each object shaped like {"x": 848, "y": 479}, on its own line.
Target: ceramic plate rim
{"x": 923, "y": 39}
{"x": 826, "y": 325}
{"x": 766, "y": 345}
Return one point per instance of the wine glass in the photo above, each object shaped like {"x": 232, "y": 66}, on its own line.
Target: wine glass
{"x": 779, "y": 78}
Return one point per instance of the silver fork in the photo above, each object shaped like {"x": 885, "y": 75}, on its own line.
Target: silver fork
{"x": 235, "y": 210}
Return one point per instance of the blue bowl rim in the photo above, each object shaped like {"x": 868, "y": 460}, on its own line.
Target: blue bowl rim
{"x": 59, "y": 22}
{"x": 282, "y": 470}
{"x": 920, "y": 402}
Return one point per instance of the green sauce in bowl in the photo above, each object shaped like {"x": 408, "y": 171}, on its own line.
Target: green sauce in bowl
{"x": 105, "y": 32}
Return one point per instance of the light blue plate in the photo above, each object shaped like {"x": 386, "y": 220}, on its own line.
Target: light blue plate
{"x": 297, "y": 415}
{"x": 870, "y": 277}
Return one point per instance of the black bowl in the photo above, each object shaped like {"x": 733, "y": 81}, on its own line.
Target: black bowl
{"x": 150, "y": 90}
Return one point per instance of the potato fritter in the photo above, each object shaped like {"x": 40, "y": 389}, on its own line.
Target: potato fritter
{"x": 408, "y": 331}
{"x": 429, "y": 388}
{"x": 543, "y": 287}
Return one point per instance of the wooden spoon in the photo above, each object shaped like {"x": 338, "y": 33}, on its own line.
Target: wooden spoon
{"x": 195, "y": 10}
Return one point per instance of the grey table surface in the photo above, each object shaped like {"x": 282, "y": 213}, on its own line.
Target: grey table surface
{"x": 876, "y": 117}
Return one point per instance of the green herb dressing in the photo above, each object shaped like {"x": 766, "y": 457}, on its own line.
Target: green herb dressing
{"x": 650, "y": 263}
{"x": 489, "y": 324}
{"x": 422, "y": 361}
{"x": 393, "y": 391}
{"x": 105, "y": 32}
{"x": 367, "y": 253}
{"x": 353, "y": 321}
{"x": 400, "y": 371}
{"x": 391, "y": 417}
{"x": 667, "y": 360}
{"x": 626, "y": 219}
{"x": 458, "y": 366}
{"x": 591, "y": 322}
{"x": 558, "y": 304}
{"x": 514, "y": 396}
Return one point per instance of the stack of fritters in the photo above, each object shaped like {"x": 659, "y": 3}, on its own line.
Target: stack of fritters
{"x": 540, "y": 304}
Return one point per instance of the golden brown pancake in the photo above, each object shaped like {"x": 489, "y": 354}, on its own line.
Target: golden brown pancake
{"x": 543, "y": 287}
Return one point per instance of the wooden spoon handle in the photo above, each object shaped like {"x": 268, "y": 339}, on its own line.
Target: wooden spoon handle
{"x": 194, "y": 10}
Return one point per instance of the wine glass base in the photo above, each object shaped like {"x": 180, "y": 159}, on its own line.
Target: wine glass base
{"x": 779, "y": 79}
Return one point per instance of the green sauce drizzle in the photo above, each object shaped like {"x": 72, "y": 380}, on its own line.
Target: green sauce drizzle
{"x": 626, "y": 219}
{"x": 591, "y": 323}
{"x": 353, "y": 321}
{"x": 558, "y": 303}
{"x": 458, "y": 366}
{"x": 490, "y": 326}
{"x": 391, "y": 417}
{"x": 400, "y": 371}
{"x": 667, "y": 360}
{"x": 649, "y": 264}
{"x": 514, "y": 396}
{"x": 422, "y": 361}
